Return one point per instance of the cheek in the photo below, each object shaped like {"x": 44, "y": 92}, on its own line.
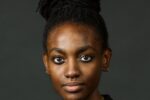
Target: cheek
{"x": 91, "y": 69}
{"x": 92, "y": 75}
{"x": 55, "y": 74}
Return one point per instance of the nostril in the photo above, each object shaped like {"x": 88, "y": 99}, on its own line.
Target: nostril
{"x": 72, "y": 75}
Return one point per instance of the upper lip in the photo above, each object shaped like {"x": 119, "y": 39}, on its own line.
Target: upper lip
{"x": 73, "y": 84}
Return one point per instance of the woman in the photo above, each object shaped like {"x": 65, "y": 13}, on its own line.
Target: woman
{"x": 76, "y": 49}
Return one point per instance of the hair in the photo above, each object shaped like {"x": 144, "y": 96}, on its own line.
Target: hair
{"x": 86, "y": 12}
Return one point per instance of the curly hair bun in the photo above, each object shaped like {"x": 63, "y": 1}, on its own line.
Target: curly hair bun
{"x": 45, "y": 7}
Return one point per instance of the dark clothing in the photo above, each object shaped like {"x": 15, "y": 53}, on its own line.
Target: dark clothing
{"x": 107, "y": 97}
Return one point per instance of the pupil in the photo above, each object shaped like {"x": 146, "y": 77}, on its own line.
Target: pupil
{"x": 85, "y": 58}
{"x": 59, "y": 59}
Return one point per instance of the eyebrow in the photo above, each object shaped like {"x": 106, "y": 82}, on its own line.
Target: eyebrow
{"x": 84, "y": 48}
{"x": 80, "y": 50}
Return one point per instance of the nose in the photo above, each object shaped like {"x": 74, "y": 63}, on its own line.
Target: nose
{"x": 72, "y": 70}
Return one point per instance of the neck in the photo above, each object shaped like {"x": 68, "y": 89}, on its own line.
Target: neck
{"x": 96, "y": 96}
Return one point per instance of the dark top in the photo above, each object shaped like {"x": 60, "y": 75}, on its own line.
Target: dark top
{"x": 107, "y": 97}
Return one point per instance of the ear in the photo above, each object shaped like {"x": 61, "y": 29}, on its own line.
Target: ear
{"x": 106, "y": 56}
{"x": 45, "y": 61}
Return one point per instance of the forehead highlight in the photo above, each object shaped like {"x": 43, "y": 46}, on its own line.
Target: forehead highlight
{"x": 77, "y": 34}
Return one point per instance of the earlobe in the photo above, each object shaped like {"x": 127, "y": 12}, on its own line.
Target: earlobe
{"x": 106, "y": 59}
{"x": 45, "y": 61}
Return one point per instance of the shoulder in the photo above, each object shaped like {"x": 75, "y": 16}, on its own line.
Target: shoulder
{"x": 107, "y": 97}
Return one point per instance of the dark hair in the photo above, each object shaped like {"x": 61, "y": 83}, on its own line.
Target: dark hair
{"x": 79, "y": 11}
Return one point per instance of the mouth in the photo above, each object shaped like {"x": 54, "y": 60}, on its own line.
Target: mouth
{"x": 73, "y": 87}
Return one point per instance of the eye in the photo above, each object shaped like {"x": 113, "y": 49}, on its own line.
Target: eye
{"x": 85, "y": 58}
{"x": 58, "y": 60}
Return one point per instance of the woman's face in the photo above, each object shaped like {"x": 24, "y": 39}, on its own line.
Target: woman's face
{"x": 74, "y": 60}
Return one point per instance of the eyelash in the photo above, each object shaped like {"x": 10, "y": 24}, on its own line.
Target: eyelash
{"x": 61, "y": 59}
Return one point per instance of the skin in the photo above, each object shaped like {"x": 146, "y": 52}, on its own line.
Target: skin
{"x": 74, "y": 61}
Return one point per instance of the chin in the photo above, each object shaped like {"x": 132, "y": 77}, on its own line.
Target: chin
{"x": 74, "y": 96}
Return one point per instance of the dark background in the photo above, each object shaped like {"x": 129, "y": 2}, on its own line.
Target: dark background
{"x": 22, "y": 74}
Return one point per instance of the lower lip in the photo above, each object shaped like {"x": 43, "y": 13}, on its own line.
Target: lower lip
{"x": 73, "y": 89}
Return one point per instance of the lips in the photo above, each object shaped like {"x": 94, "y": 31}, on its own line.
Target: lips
{"x": 73, "y": 87}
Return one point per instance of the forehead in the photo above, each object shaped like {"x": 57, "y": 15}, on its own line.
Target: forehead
{"x": 72, "y": 35}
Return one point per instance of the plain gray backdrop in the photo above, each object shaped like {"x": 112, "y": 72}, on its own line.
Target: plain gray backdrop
{"x": 22, "y": 74}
